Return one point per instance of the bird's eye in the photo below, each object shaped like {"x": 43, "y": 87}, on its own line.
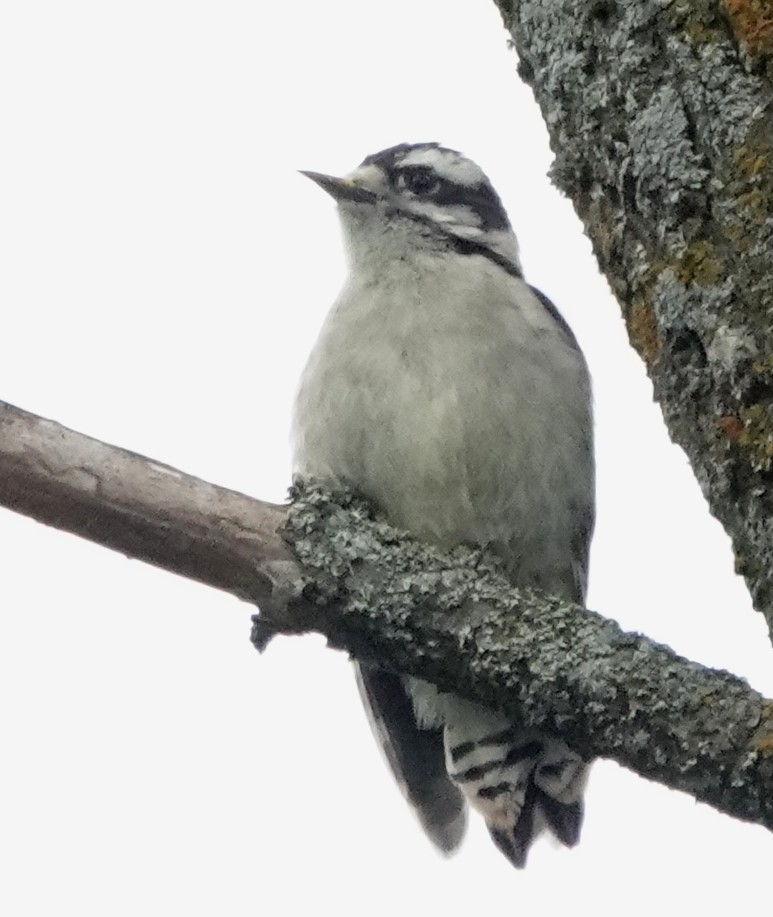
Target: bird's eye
{"x": 418, "y": 180}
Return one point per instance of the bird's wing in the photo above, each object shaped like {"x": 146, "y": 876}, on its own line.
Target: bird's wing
{"x": 583, "y": 534}
{"x": 415, "y": 756}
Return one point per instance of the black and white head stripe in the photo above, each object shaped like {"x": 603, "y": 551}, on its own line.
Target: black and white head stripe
{"x": 444, "y": 177}
{"x": 443, "y": 190}
{"x": 453, "y": 195}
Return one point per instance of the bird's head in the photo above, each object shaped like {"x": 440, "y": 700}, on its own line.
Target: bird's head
{"x": 422, "y": 196}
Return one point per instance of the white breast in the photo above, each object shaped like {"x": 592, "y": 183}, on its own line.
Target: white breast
{"x": 445, "y": 392}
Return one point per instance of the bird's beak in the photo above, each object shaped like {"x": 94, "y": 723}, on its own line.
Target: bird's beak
{"x": 342, "y": 189}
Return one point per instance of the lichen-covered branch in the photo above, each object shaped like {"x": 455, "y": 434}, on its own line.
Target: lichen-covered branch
{"x": 328, "y": 565}
{"x": 659, "y": 114}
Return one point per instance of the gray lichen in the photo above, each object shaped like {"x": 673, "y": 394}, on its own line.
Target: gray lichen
{"x": 658, "y": 114}
{"x": 455, "y": 620}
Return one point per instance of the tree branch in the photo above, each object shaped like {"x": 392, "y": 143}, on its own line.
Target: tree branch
{"x": 327, "y": 564}
{"x": 142, "y": 508}
{"x": 659, "y": 117}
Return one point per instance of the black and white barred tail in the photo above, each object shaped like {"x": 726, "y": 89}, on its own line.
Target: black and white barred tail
{"x": 444, "y": 750}
{"x": 522, "y": 782}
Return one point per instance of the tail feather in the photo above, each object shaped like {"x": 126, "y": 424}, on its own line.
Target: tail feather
{"x": 445, "y": 751}
{"x": 515, "y": 843}
{"x": 563, "y": 819}
{"x": 521, "y": 782}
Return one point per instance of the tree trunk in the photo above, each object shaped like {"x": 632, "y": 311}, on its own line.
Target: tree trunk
{"x": 659, "y": 115}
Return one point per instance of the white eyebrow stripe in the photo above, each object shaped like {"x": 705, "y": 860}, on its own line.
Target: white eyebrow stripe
{"x": 447, "y": 164}
{"x": 464, "y": 218}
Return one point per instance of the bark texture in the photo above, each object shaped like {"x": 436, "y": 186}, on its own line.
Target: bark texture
{"x": 142, "y": 508}
{"x": 659, "y": 114}
{"x": 328, "y": 564}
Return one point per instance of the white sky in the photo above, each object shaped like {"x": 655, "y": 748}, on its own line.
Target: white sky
{"x": 163, "y": 272}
